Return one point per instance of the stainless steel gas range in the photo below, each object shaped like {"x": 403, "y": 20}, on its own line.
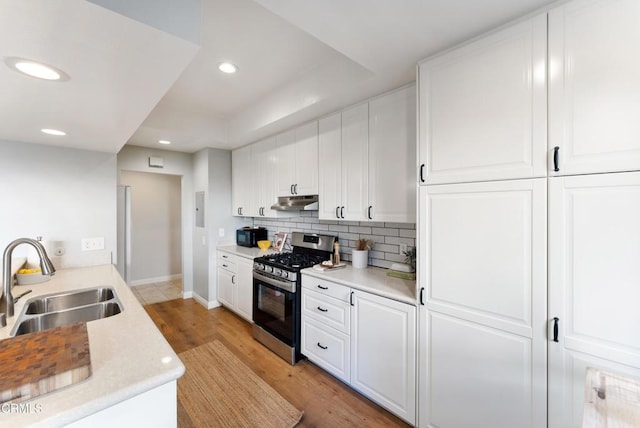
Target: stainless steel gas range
{"x": 276, "y": 292}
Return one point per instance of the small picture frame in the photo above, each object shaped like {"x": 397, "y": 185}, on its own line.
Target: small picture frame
{"x": 279, "y": 241}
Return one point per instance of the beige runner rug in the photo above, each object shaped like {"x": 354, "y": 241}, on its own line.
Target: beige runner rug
{"x": 219, "y": 390}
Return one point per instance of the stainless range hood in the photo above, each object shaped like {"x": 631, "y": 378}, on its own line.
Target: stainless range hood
{"x": 296, "y": 203}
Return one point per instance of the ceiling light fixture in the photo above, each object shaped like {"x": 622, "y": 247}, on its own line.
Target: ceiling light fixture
{"x": 36, "y": 69}
{"x": 55, "y": 132}
{"x": 227, "y": 67}
{"x": 164, "y": 141}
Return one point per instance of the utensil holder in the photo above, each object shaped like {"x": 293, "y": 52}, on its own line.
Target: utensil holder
{"x": 359, "y": 258}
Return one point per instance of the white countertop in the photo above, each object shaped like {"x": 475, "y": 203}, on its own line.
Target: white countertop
{"x": 372, "y": 279}
{"x": 129, "y": 355}
{"x": 246, "y": 252}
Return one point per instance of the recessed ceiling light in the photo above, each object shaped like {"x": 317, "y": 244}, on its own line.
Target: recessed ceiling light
{"x": 227, "y": 67}
{"x": 55, "y": 132}
{"x": 36, "y": 69}
{"x": 164, "y": 141}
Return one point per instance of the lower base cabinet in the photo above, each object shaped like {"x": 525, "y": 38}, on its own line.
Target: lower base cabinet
{"x": 365, "y": 340}
{"x": 235, "y": 284}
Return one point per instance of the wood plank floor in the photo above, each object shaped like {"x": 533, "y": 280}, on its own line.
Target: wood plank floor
{"x": 326, "y": 401}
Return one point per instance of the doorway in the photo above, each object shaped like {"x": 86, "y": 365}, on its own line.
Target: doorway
{"x": 155, "y": 229}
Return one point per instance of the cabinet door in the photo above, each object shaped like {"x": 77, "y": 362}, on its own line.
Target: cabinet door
{"x": 263, "y": 156}
{"x": 285, "y": 162}
{"x": 227, "y": 288}
{"x": 482, "y": 113}
{"x": 594, "y": 89}
{"x": 383, "y": 353}
{"x": 241, "y": 182}
{"x": 392, "y": 149}
{"x": 244, "y": 287}
{"x": 355, "y": 162}
{"x": 330, "y": 175}
{"x": 483, "y": 343}
{"x": 594, "y": 273}
{"x": 306, "y": 160}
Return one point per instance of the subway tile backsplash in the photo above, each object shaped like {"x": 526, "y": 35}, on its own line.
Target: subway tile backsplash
{"x": 387, "y": 237}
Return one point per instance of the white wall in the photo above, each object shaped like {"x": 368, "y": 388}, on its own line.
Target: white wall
{"x": 133, "y": 158}
{"x": 60, "y": 194}
{"x": 156, "y": 239}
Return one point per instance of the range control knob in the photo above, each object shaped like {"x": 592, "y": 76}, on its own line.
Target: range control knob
{"x": 284, "y": 274}
{"x": 268, "y": 269}
{"x": 277, "y": 272}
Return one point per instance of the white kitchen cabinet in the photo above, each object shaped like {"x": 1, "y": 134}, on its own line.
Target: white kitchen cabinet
{"x": 343, "y": 145}
{"x": 263, "y": 159}
{"x": 365, "y": 340}
{"x": 330, "y": 174}
{"x": 594, "y": 89}
{"x": 392, "y": 148}
{"x": 241, "y": 182}
{"x": 482, "y": 263}
{"x": 297, "y": 161}
{"x": 355, "y": 162}
{"x": 482, "y": 109}
{"x": 594, "y": 273}
{"x": 244, "y": 285}
{"x": 383, "y": 352}
{"x": 235, "y": 283}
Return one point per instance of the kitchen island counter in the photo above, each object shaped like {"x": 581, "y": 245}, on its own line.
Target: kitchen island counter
{"x": 371, "y": 279}
{"x": 130, "y": 360}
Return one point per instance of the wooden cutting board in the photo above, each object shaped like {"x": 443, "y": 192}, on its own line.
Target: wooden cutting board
{"x": 38, "y": 363}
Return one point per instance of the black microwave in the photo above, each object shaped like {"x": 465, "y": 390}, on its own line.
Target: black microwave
{"x": 249, "y": 236}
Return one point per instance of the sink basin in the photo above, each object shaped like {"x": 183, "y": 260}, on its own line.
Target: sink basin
{"x": 60, "y": 302}
{"x": 60, "y": 309}
{"x": 57, "y": 319}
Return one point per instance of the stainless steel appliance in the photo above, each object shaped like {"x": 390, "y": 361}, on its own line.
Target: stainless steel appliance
{"x": 276, "y": 292}
{"x": 249, "y": 236}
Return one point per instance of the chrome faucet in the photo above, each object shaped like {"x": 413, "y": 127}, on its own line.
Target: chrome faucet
{"x": 47, "y": 268}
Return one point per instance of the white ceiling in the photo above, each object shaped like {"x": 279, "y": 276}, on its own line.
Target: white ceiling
{"x": 297, "y": 59}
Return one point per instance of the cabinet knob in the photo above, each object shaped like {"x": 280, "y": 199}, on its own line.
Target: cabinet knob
{"x": 322, "y": 347}
{"x": 233, "y": 279}
{"x": 555, "y": 328}
{"x": 422, "y": 173}
{"x": 291, "y": 189}
{"x": 556, "y": 158}
{"x": 322, "y": 287}
{"x": 322, "y": 309}
{"x": 369, "y": 212}
{"x": 337, "y": 212}
{"x": 342, "y": 211}
{"x": 351, "y": 299}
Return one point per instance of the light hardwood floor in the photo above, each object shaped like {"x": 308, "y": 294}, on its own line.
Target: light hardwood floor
{"x": 158, "y": 291}
{"x": 326, "y": 401}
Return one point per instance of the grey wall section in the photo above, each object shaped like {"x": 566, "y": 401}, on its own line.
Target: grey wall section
{"x": 212, "y": 175}
{"x": 133, "y": 158}
{"x": 156, "y": 240}
{"x": 60, "y": 194}
{"x": 181, "y": 18}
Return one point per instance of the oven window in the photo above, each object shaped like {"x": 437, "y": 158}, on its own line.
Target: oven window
{"x": 272, "y": 302}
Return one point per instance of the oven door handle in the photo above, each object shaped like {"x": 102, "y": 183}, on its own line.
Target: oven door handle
{"x": 291, "y": 287}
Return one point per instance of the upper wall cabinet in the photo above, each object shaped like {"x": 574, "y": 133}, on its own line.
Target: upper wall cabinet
{"x": 263, "y": 159}
{"x": 392, "y": 145}
{"x": 482, "y": 111}
{"x": 594, "y": 87}
{"x": 241, "y": 185}
{"x": 367, "y": 157}
{"x": 297, "y": 161}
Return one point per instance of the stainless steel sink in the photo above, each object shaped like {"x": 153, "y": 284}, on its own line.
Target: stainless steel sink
{"x": 60, "y": 302}
{"x": 60, "y": 309}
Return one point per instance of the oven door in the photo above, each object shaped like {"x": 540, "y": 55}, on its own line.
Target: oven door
{"x": 274, "y": 309}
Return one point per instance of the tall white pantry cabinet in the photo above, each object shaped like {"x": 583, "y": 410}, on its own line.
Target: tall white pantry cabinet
{"x": 529, "y": 217}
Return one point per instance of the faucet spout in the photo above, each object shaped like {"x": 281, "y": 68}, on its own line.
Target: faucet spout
{"x": 46, "y": 266}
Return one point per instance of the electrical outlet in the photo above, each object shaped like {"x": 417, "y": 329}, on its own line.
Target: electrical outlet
{"x": 403, "y": 248}
{"x": 221, "y": 232}
{"x": 92, "y": 244}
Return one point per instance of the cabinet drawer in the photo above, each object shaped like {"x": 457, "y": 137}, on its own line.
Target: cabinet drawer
{"x": 227, "y": 261}
{"x": 327, "y": 310}
{"x": 326, "y": 288}
{"x": 327, "y": 348}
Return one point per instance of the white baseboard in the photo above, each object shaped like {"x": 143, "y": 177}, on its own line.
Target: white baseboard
{"x": 156, "y": 279}
{"x": 187, "y": 294}
{"x": 204, "y": 302}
